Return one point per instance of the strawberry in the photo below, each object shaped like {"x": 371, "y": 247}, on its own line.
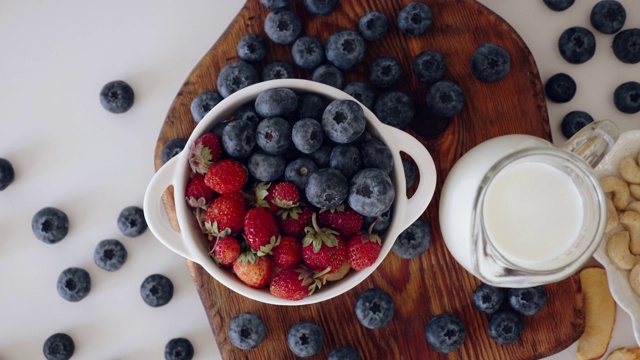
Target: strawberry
{"x": 342, "y": 219}
{"x": 225, "y": 251}
{"x": 323, "y": 249}
{"x": 261, "y": 230}
{"x": 253, "y": 270}
{"x": 205, "y": 151}
{"x": 263, "y": 197}
{"x": 285, "y": 195}
{"x": 198, "y": 194}
{"x": 363, "y": 249}
{"x": 294, "y": 283}
{"x": 225, "y": 212}
{"x": 288, "y": 252}
{"x": 226, "y": 176}
{"x": 294, "y": 221}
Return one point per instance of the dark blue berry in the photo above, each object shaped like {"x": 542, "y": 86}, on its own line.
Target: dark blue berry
{"x": 321, "y": 7}
{"x": 276, "y": 102}
{"x": 247, "y": 331}
{"x": 246, "y": 112}
{"x": 608, "y": 16}
{"x": 394, "y": 108}
{"x": 343, "y": 121}
{"x": 374, "y": 308}
{"x": 626, "y": 46}
{"x": 559, "y": 5}
{"x": 58, "y": 346}
{"x": 329, "y": 75}
{"x": 327, "y": 188}
{"x": 487, "y": 298}
{"x": 382, "y": 222}
{"x": 490, "y": 63}
{"x": 307, "y": 52}
{"x": 345, "y": 49}
{"x": 445, "y": 333}
{"x": 409, "y": 172}
{"x": 218, "y": 128}
{"x": 273, "y": 135}
{"x": 131, "y": 221}
{"x": 577, "y": 45}
{"x": 428, "y": 66}
{"x": 74, "y": 284}
{"x": 278, "y": 70}
{"x": 346, "y": 159}
{"x": 252, "y": 48}
{"x": 116, "y": 97}
{"x": 236, "y": 76}
{"x": 110, "y": 255}
{"x": 50, "y": 225}
{"x": 560, "y": 88}
{"x": 344, "y": 353}
{"x": 310, "y": 106}
{"x": 322, "y": 156}
{"x": 202, "y": 103}
{"x": 266, "y": 167}
{"x": 305, "y": 339}
{"x": 276, "y": 4}
{"x": 239, "y": 138}
{"x": 385, "y": 72}
{"x": 362, "y": 92}
{"x": 307, "y": 135}
{"x": 527, "y": 301}
{"x": 375, "y": 154}
{"x": 371, "y": 192}
{"x": 282, "y": 26}
{"x": 172, "y": 148}
{"x": 573, "y": 122}
{"x": 7, "y": 174}
{"x": 299, "y": 170}
{"x": 415, "y": 19}
{"x": 373, "y": 25}
{"x": 445, "y": 98}
{"x": 626, "y": 97}
{"x": 505, "y": 327}
{"x": 178, "y": 349}
{"x": 156, "y": 290}
{"x": 414, "y": 240}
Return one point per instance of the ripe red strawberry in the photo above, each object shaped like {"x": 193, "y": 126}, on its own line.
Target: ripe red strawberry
{"x": 294, "y": 221}
{"x": 288, "y": 252}
{"x": 285, "y": 195}
{"x": 226, "y": 176}
{"x": 198, "y": 194}
{"x": 363, "y": 250}
{"x": 263, "y": 197}
{"x": 343, "y": 219}
{"x": 294, "y": 283}
{"x": 225, "y": 212}
{"x": 323, "y": 248}
{"x": 253, "y": 270}
{"x": 225, "y": 251}
{"x": 205, "y": 151}
{"x": 261, "y": 230}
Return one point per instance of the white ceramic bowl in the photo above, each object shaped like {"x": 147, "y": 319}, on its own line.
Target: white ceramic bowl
{"x": 190, "y": 242}
{"x": 627, "y": 145}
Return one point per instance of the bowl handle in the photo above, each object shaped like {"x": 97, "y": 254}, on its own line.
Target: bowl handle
{"x": 155, "y": 213}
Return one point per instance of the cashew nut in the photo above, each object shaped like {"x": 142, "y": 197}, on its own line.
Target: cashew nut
{"x": 629, "y": 170}
{"x": 631, "y": 222}
{"x": 612, "y": 215}
{"x": 619, "y": 189}
{"x": 618, "y": 250}
{"x": 634, "y": 278}
{"x": 634, "y": 206}
{"x": 634, "y": 189}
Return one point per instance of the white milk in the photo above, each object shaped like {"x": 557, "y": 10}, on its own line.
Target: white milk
{"x": 532, "y": 212}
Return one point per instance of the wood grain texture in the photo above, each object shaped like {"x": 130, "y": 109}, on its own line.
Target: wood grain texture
{"x": 433, "y": 283}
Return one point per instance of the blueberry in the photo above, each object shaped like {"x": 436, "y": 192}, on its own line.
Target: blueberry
{"x": 445, "y": 333}
{"x": 385, "y": 72}
{"x": 299, "y": 170}
{"x": 558, "y": 5}
{"x": 560, "y": 88}
{"x": 346, "y": 159}
{"x": 626, "y": 97}
{"x": 445, "y": 98}
{"x": 321, "y": 7}
{"x": 487, "y": 298}
{"x": 172, "y": 148}
{"x": 322, "y": 156}
{"x": 73, "y": 284}
{"x": 116, "y": 97}
{"x": 7, "y": 175}
{"x": 307, "y": 52}
{"x": 414, "y": 240}
{"x": 58, "y": 346}
{"x": 343, "y": 121}
{"x": 374, "y": 308}
{"x": 50, "y": 225}
{"x": 156, "y": 290}
{"x": 573, "y": 122}
{"x": 409, "y": 172}
{"x": 362, "y": 92}
{"x": 202, "y": 103}
{"x": 371, "y": 192}
{"x": 382, "y": 222}
{"x": 278, "y": 70}
{"x": 239, "y": 138}
{"x": 626, "y": 46}
{"x": 273, "y": 135}
{"x": 505, "y": 327}
{"x": 577, "y": 45}
{"x": 428, "y": 66}
{"x": 327, "y": 188}
{"x": 375, "y": 154}
{"x": 131, "y": 221}
{"x": 608, "y": 16}
{"x": 344, "y": 353}
{"x": 110, "y": 255}
{"x": 307, "y": 135}
{"x": 373, "y": 25}
{"x": 236, "y": 76}
{"x": 345, "y": 49}
{"x": 310, "y": 106}
{"x": 219, "y": 126}
{"x": 178, "y": 349}
{"x": 527, "y": 301}
{"x": 394, "y": 108}
{"x": 415, "y": 19}
{"x": 282, "y": 26}
{"x": 276, "y": 4}
{"x": 329, "y": 75}
{"x": 252, "y": 48}
{"x": 276, "y": 102}
{"x": 305, "y": 339}
{"x": 266, "y": 167}
{"x": 490, "y": 63}
{"x": 245, "y": 112}
{"x": 247, "y": 330}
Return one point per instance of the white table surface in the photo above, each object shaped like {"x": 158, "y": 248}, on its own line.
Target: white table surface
{"x": 69, "y": 153}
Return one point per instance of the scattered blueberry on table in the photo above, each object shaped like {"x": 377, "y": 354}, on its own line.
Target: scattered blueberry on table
{"x": 428, "y": 66}
{"x": 50, "y": 225}
{"x": 558, "y": 5}
{"x": 116, "y": 97}
{"x": 307, "y": 52}
{"x": 574, "y": 121}
{"x": 626, "y": 97}
{"x": 131, "y": 221}
{"x": 236, "y": 76}
{"x": 490, "y": 63}
{"x": 246, "y": 331}
{"x": 172, "y": 148}
{"x": 527, "y": 301}
{"x": 385, "y": 72}
{"x": 560, "y": 88}
{"x": 344, "y": 353}
{"x": 74, "y": 284}
{"x": 577, "y": 45}
{"x": 202, "y": 103}
{"x": 345, "y": 49}
{"x": 608, "y": 16}
{"x": 156, "y": 290}
{"x": 373, "y": 25}
{"x": 415, "y": 19}
{"x": 282, "y": 26}
{"x": 110, "y": 255}
{"x": 305, "y": 339}
{"x": 414, "y": 240}
{"x": 505, "y": 327}
{"x": 488, "y": 299}
{"x": 445, "y": 333}
{"x": 252, "y": 48}
{"x": 394, "y": 108}
{"x": 445, "y": 98}
{"x": 178, "y": 349}
{"x": 626, "y": 46}
{"x": 329, "y": 75}
{"x": 321, "y": 7}
{"x": 58, "y": 346}
{"x": 7, "y": 174}
{"x": 277, "y": 70}
{"x": 374, "y": 308}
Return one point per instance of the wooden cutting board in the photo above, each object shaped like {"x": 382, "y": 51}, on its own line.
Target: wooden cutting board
{"x": 433, "y": 283}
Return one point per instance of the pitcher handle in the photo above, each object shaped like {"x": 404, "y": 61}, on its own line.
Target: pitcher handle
{"x": 593, "y": 141}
